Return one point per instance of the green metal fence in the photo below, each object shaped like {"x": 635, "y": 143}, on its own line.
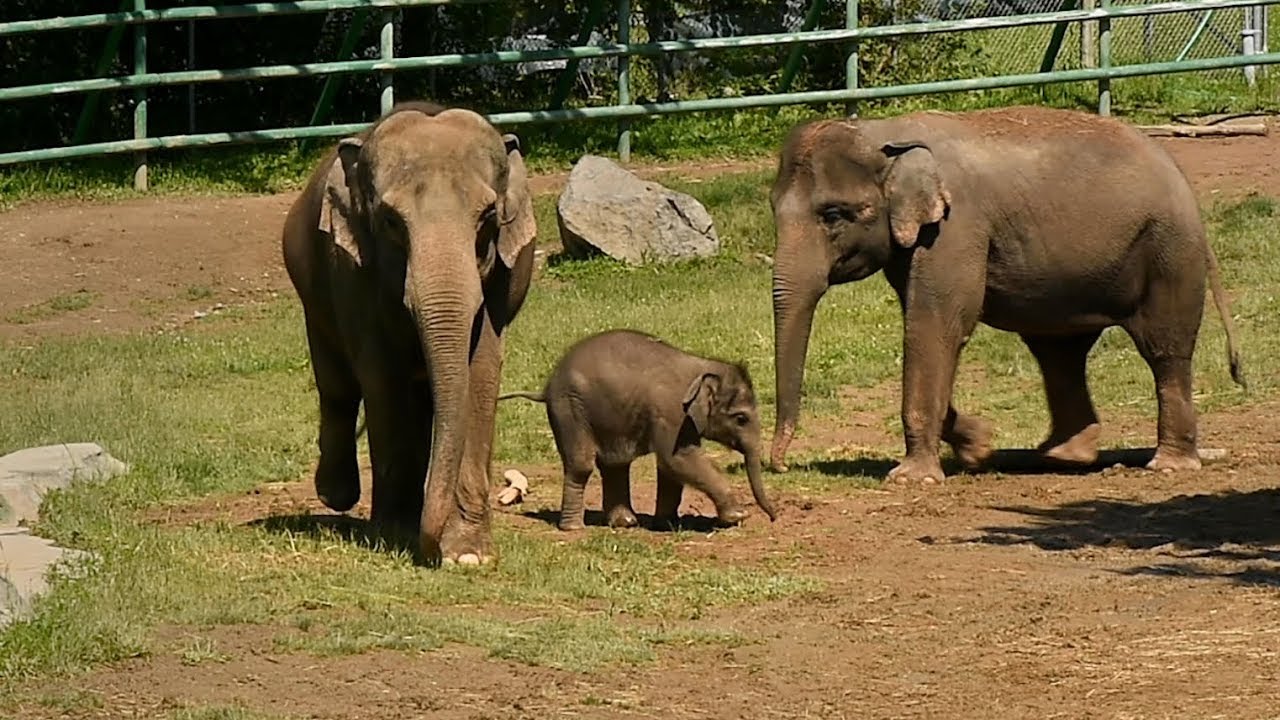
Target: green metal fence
{"x": 135, "y": 13}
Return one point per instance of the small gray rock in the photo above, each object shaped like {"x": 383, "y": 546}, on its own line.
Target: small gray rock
{"x": 606, "y": 209}
{"x": 25, "y": 561}
{"x": 27, "y": 475}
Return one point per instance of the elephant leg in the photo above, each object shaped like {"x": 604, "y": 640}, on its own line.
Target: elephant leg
{"x": 468, "y": 535}
{"x": 969, "y": 437}
{"x": 1165, "y": 332}
{"x": 666, "y": 509}
{"x": 337, "y": 477}
{"x": 692, "y": 467}
{"x": 399, "y": 441}
{"x": 1074, "y": 428}
{"x": 930, "y": 354}
{"x": 616, "y": 483}
{"x": 578, "y": 454}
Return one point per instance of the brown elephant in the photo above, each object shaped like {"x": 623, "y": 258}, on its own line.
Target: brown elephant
{"x": 1048, "y": 223}
{"x": 411, "y": 249}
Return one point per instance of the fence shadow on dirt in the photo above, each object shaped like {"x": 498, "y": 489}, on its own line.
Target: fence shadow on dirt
{"x": 1232, "y": 535}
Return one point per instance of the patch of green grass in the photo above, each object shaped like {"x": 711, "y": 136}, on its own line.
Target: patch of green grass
{"x": 200, "y": 650}
{"x": 221, "y": 713}
{"x": 69, "y": 701}
{"x": 53, "y": 307}
{"x": 198, "y": 292}
{"x": 229, "y": 404}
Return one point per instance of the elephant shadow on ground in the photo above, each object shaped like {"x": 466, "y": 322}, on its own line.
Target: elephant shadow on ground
{"x": 597, "y": 518}
{"x": 1009, "y": 462}
{"x": 1233, "y": 535}
{"x": 354, "y": 530}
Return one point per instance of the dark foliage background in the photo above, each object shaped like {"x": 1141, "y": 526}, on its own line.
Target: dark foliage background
{"x": 504, "y": 24}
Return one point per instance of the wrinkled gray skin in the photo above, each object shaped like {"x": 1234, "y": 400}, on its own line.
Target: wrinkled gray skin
{"x": 619, "y": 395}
{"x": 1047, "y": 223}
{"x": 411, "y": 249}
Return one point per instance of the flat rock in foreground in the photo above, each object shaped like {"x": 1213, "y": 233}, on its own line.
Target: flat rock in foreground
{"x": 26, "y": 476}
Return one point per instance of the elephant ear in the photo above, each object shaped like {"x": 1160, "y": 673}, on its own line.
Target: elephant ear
{"x": 336, "y": 211}
{"x": 699, "y": 398}
{"x": 518, "y": 225}
{"x": 917, "y": 195}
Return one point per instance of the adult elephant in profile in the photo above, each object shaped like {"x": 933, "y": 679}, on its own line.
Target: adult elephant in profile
{"x": 1047, "y": 223}
{"x": 411, "y": 249}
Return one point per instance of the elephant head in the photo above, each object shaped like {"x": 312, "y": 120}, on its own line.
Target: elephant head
{"x": 432, "y": 203}
{"x": 848, "y": 196}
{"x": 722, "y": 407}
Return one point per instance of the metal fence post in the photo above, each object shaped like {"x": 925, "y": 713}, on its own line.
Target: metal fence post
{"x": 191, "y": 65}
{"x": 140, "y": 100}
{"x": 624, "y": 80}
{"x": 851, "y": 63}
{"x": 109, "y": 51}
{"x": 1104, "y": 59}
{"x": 387, "y": 46}
{"x": 1089, "y": 38}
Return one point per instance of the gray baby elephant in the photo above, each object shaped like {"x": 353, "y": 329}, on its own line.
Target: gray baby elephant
{"x": 622, "y": 394}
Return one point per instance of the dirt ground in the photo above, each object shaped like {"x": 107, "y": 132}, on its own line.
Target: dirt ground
{"x": 1114, "y": 594}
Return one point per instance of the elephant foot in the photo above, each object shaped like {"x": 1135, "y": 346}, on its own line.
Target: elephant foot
{"x": 465, "y": 542}
{"x": 1168, "y": 460}
{"x": 911, "y": 470}
{"x": 778, "y": 453}
{"x": 732, "y": 515}
{"x": 622, "y": 517}
{"x": 337, "y": 482}
{"x": 1079, "y": 449}
{"x": 571, "y": 524}
{"x": 971, "y": 442}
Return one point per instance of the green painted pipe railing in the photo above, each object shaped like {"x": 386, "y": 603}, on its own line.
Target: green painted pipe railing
{"x": 212, "y": 12}
{"x": 386, "y": 65}
{"x": 184, "y": 77}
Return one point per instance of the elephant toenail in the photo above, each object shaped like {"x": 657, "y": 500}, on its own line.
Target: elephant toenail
{"x": 468, "y": 559}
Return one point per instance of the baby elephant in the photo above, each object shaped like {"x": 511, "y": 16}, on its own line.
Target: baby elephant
{"x": 622, "y": 394}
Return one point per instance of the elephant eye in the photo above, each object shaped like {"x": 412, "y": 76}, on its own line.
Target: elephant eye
{"x": 831, "y": 215}
{"x": 742, "y": 418}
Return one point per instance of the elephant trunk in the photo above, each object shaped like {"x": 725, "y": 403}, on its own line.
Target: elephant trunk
{"x": 445, "y": 315}
{"x": 754, "y": 473}
{"x": 797, "y": 288}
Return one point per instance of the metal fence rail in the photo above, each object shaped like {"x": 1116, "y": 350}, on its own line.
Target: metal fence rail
{"x": 1103, "y": 18}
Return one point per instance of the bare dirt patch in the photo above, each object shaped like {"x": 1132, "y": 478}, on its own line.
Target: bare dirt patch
{"x": 1121, "y": 593}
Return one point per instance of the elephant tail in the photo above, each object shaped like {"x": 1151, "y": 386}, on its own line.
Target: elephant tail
{"x": 1224, "y": 311}
{"x": 536, "y": 397}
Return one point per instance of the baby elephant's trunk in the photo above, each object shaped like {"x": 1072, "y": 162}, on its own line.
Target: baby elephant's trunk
{"x": 752, "y": 458}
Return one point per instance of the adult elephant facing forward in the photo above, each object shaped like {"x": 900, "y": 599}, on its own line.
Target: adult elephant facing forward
{"x": 411, "y": 249}
{"x": 1051, "y": 224}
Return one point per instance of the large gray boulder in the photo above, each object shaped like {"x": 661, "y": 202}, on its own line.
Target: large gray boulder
{"x": 26, "y": 476}
{"x": 606, "y": 209}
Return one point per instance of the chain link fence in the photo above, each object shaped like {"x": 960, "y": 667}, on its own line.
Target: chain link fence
{"x": 1169, "y": 37}
{"x": 1137, "y": 40}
